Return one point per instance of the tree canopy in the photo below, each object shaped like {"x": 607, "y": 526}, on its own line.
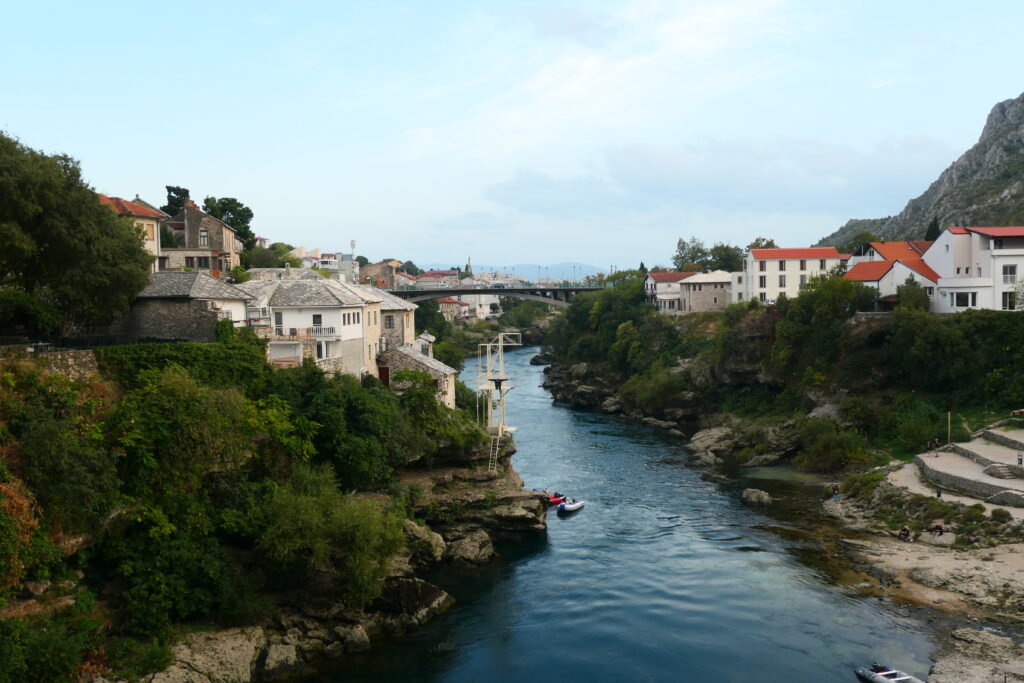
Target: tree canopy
{"x": 862, "y": 237}
{"x": 762, "y": 243}
{"x": 933, "y": 231}
{"x": 176, "y": 198}
{"x": 68, "y": 261}
{"x": 693, "y": 255}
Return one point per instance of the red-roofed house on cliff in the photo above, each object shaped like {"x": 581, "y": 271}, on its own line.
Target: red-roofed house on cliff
{"x": 770, "y": 273}
{"x": 147, "y": 218}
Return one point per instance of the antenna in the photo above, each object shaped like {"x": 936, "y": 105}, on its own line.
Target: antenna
{"x": 353, "y": 245}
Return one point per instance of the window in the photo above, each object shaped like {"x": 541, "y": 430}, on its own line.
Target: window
{"x": 782, "y": 266}
{"x": 359, "y": 317}
{"x": 203, "y": 262}
{"x": 762, "y": 281}
{"x": 389, "y": 322}
{"x": 318, "y": 320}
{"x": 763, "y": 297}
{"x": 1009, "y": 301}
{"x": 204, "y": 238}
{"x": 821, "y": 264}
{"x": 957, "y": 271}
{"x": 739, "y": 280}
{"x": 929, "y": 290}
{"x": 190, "y": 262}
{"x": 964, "y": 299}
{"x": 947, "y": 248}
{"x": 739, "y": 296}
{"x": 979, "y": 271}
{"x": 803, "y": 264}
{"x": 782, "y": 281}
{"x": 762, "y": 266}
{"x": 716, "y": 299}
{"x": 803, "y": 281}
{"x": 1009, "y": 274}
{"x": 997, "y": 244}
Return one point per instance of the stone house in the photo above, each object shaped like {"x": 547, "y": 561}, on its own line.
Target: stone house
{"x": 452, "y": 308}
{"x": 383, "y": 273}
{"x": 977, "y": 268}
{"x": 205, "y": 244}
{"x": 769, "y": 273}
{"x": 182, "y": 306}
{"x": 410, "y": 358}
{"x": 398, "y": 323}
{"x": 705, "y": 292}
{"x": 147, "y": 218}
{"x": 371, "y": 322}
{"x": 433, "y": 279}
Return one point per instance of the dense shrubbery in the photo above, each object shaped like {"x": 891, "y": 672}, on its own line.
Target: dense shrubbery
{"x": 205, "y": 481}
{"x": 901, "y": 373}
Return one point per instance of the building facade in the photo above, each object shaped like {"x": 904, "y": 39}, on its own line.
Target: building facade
{"x": 977, "y": 267}
{"x": 205, "y": 244}
{"x": 769, "y": 273}
{"x": 147, "y": 219}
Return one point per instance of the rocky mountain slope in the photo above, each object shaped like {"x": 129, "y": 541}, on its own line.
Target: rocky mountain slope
{"x": 984, "y": 187}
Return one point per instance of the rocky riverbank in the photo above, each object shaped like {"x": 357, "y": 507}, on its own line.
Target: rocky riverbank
{"x": 984, "y": 585}
{"x": 459, "y": 509}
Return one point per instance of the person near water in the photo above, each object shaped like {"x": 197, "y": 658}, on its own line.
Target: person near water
{"x": 938, "y": 493}
{"x": 904, "y": 533}
{"x": 835, "y": 492}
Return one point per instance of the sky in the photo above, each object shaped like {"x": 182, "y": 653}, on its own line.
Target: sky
{"x": 514, "y": 132}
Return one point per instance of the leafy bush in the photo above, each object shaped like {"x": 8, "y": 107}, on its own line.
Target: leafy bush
{"x": 310, "y": 523}
{"x": 827, "y": 449}
{"x": 862, "y": 485}
{"x": 1001, "y": 515}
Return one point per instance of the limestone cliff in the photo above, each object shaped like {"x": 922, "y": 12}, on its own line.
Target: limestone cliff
{"x": 984, "y": 187}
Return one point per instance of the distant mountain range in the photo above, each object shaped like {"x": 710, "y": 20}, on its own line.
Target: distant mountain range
{"x": 531, "y": 271}
{"x": 983, "y": 188}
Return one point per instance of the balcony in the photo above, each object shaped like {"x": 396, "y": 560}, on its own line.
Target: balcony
{"x": 318, "y": 332}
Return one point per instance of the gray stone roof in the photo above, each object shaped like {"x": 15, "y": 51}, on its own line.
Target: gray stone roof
{"x": 390, "y": 302}
{"x": 367, "y": 294}
{"x": 190, "y": 286}
{"x": 260, "y": 290}
{"x": 321, "y": 292}
{"x": 284, "y": 274}
{"x": 425, "y": 361}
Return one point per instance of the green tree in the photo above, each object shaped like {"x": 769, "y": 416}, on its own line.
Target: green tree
{"x": 933, "y": 231}
{"x": 176, "y": 198}
{"x": 762, "y": 243}
{"x": 410, "y": 268}
{"x": 690, "y": 255}
{"x": 862, "y": 237}
{"x": 67, "y": 261}
{"x": 428, "y": 318}
{"x": 912, "y": 295}
{"x": 362, "y": 261}
{"x": 234, "y": 213}
{"x": 725, "y": 257}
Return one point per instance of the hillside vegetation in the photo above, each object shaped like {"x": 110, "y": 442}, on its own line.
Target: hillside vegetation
{"x": 193, "y": 485}
{"x": 890, "y": 379}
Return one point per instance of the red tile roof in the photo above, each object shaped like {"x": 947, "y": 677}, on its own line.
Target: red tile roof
{"x": 921, "y": 268}
{"x": 810, "y": 252}
{"x": 449, "y": 300}
{"x": 868, "y": 271}
{"x": 673, "y": 276}
{"x": 891, "y": 251}
{"x": 958, "y": 231}
{"x": 123, "y": 207}
{"x": 1009, "y": 231}
{"x": 921, "y": 246}
{"x": 845, "y": 257}
{"x": 439, "y": 273}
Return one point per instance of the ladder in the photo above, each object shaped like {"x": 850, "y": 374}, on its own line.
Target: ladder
{"x": 492, "y": 465}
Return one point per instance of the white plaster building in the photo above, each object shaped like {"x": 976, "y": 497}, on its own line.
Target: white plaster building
{"x": 664, "y": 291}
{"x": 977, "y": 267}
{"x": 705, "y": 292}
{"x": 884, "y": 266}
{"x": 769, "y": 273}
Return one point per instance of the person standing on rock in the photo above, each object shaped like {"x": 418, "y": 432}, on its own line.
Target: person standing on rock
{"x": 835, "y": 493}
{"x": 938, "y": 493}
{"x": 1020, "y": 459}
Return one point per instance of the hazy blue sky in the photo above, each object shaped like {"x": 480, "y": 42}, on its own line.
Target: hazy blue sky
{"x": 514, "y": 131}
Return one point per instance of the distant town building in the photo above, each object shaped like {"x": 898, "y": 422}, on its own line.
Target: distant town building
{"x": 147, "y": 218}
{"x": 769, "y": 273}
{"x": 205, "y": 244}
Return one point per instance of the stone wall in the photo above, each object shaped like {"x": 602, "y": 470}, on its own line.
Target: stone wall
{"x": 75, "y": 364}
{"x": 976, "y": 489}
{"x": 170, "y": 319}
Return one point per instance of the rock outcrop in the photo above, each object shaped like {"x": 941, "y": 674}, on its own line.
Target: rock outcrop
{"x": 755, "y": 497}
{"x": 975, "y": 656}
{"x": 985, "y": 186}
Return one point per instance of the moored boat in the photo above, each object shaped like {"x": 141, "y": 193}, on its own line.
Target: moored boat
{"x": 882, "y": 674}
{"x": 570, "y": 506}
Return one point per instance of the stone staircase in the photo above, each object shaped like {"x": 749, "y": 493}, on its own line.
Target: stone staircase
{"x": 984, "y": 468}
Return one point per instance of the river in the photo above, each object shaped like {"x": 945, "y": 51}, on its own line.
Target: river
{"x": 661, "y": 577}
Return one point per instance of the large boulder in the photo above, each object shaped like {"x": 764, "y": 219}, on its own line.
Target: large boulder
{"x": 717, "y": 440}
{"x": 405, "y": 604}
{"x": 755, "y": 497}
{"x": 427, "y": 547}
{"x": 474, "y": 548}
{"x": 228, "y": 656}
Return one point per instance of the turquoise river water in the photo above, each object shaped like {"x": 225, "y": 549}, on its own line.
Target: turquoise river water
{"x": 662, "y": 577}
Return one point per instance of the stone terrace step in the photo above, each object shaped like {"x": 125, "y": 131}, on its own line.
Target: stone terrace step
{"x": 953, "y": 471}
{"x": 1011, "y": 438}
{"x": 1001, "y": 471}
{"x": 909, "y": 477}
{"x": 988, "y": 453}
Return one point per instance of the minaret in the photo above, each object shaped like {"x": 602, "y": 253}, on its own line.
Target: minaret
{"x": 469, "y": 266}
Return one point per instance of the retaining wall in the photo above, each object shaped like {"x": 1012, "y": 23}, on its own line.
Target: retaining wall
{"x": 971, "y": 487}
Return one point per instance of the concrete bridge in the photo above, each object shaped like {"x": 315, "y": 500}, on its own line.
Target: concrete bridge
{"x": 556, "y": 296}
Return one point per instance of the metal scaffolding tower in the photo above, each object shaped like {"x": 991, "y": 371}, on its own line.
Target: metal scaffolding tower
{"x": 493, "y": 384}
